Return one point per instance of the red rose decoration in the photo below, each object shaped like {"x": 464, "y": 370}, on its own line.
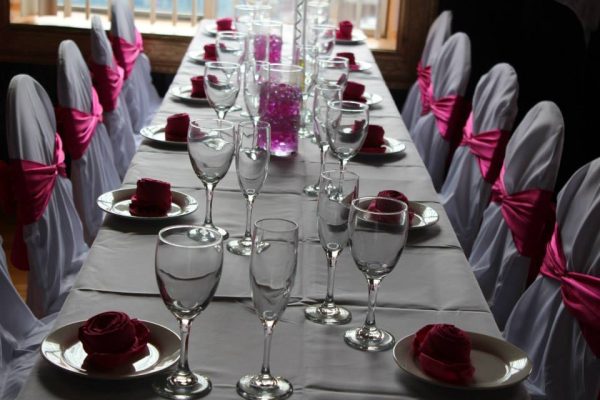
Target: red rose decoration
{"x": 393, "y": 194}
{"x": 210, "y": 52}
{"x": 374, "y": 141}
{"x": 354, "y": 92}
{"x": 444, "y": 353}
{"x": 111, "y": 339}
{"x": 177, "y": 127}
{"x": 344, "y": 31}
{"x": 198, "y": 87}
{"x": 224, "y": 24}
{"x": 351, "y": 60}
{"x": 152, "y": 198}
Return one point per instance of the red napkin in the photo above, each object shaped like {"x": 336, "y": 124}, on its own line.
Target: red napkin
{"x": 177, "y": 127}
{"x": 224, "y": 24}
{"x": 151, "y": 199}
{"x": 354, "y": 92}
{"x": 210, "y": 52}
{"x": 351, "y": 60}
{"x": 388, "y": 207}
{"x": 344, "y": 31}
{"x": 112, "y": 338}
{"x": 444, "y": 353}
{"x": 374, "y": 141}
{"x": 198, "y": 87}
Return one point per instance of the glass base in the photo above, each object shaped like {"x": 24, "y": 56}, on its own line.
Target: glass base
{"x": 328, "y": 314}
{"x": 256, "y": 387}
{"x": 235, "y": 108}
{"x": 223, "y": 232}
{"x": 304, "y": 133}
{"x": 311, "y": 190}
{"x": 240, "y": 247}
{"x": 244, "y": 113}
{"x": 183, "y": 387}
{"x": 373, "y": 339}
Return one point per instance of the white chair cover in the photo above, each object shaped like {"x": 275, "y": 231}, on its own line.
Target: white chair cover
{"x": 141, "y": 95}
{"x": 55, "y": 245}
{"x": 449, "y": 76}
{"x": 540, "y": 324}
{"x": 531, "y": 162}
{"x": 95, "y": 172}
{"x": 117, "y": 122}
{"x": 465, "y": 194}
{"x": 439, "y": 31}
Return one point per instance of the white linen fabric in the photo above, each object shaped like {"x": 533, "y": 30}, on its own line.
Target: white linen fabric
{"x": 465, "y": 194}
{"x": 439, "y": 31}
{"x": 540, "y": 324}
{"x": 55, "y": 245}
{"x": 531, "y": 162}
{"x": 95, "y": 172}
{"x": 117, "y": 121}
{"x": 142, "y": 97}
{"x": 449, "y": 76}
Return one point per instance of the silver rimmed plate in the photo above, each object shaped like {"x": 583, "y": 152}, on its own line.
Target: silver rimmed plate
{"x": 498, "y": 364}
{"x": 372, "y": 98}
{"x": 391, "y": 146}
{"x": 156, "y": 133}
{"x": 197, "y": 56}
{"x": 424, "y": 215}
{"x": 184, "y": 93}
{"x": 361, "y": 66}
{"x": 358, "y": 37}
{"x": 63, "y": 349}
{"x": 117, "y": 203}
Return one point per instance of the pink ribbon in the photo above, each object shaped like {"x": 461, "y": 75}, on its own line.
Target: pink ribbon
{"x": 580, "y": 292}
{"x": 488, "y": 147}
{"x": 424, "y": 81}
{"x": 108, "y": 81}
{"x": 77, "y": 127}
{"x": 447, "y": 112}
{"x": 31, "y": 185}
{"x": 126, "y": 53}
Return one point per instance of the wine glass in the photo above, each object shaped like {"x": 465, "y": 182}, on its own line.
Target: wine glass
{"x": 322, "y": 96}
{"x": 245, "y": 14}
{"x": 252, "y": 153}
{"x": 378, "y": 230}
{"x": 222, "y": 85}
{"x": 307, "y": 59}
{"x": 211, "y": 147}
{"x": 332, "y": 71}
{"x": 256, "y": 75}
{"x": 337, "y": 190}
{"x": 347, "y": 127}
{"x": 317, "y": 12}
{"x": 272, "y": 272}
{"x": 231, "y": 46}
{"x": 188, "y": 264}
{"x": 323, "y": 37}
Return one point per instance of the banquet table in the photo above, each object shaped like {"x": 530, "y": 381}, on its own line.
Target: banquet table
{"x": 432, "y": 282}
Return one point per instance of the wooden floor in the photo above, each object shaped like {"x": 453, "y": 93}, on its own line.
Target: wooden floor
{"x": 7, "y": 231}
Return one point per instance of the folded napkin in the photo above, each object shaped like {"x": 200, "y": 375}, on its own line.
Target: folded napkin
{"x": 198, "y": 87}
{"x": 354, "y": 91}
{"x": 344, "y": 30}
{"x": 210, "y": 52}
{"x": 392, "y": 194}
{"x": 374, "y": 141}
{"x": 177, "y": 127}
{"x": 152, "y": 198}
{"x": 111, "y": 339}
{"x": 224, "y": 24}
{"x": 351, "y": 60}
{"x": 444, "y": 353}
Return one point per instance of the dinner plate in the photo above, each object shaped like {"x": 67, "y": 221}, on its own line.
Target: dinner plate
{"x": 424, "y": 215}
{"x": 210, "y": 30}
{"x": 156, "y": 133}
{"x": 184, "y": 93}
{"x": 63, "y": 349}
{"x": 498, "y": 364}
{"x": 361, "y": 66}
{"x": 392, "y": 147}
{"x": 358, "y": 37}
{"x": 117, "y": 203}
{"x": 372, "y": 98}
{"x": 197, "y": 56}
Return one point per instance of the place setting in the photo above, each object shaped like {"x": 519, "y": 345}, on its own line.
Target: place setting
{"x": 347, "y": 35}
{"x": 194, "y": 93}
{"x": 208, "y": 53}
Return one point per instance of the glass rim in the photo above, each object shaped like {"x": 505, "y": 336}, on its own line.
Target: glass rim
{"x": 196, "y": 123}
{"x": 324, "y": 26}
{"x": 250, "y": 124}
{"x": 268, "y": 22}
{"x": 217, "y": 64}
{"x": 293, "y": 225}
{"x": 325, "y": 174}
{"x": 329, "y": 87}
{"x": 232, "y": 34}
{"x": 355, "y": 204}
{"x": 332, "y": 59}
{"x": 284, "y": 67}
{"x": 253, "y": 7}
{"x": 339, "y": 105}
{"x": 162, "y": 239}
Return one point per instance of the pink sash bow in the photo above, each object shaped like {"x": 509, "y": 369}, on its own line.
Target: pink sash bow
{"x": 127, "y": 53}
{"x": 448, "y": 112}
{"x": 580, "y": 292}
{"x": 108, "y": 81}
{"x": 424, "y": 81}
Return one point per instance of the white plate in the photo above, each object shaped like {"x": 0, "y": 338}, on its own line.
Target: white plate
{"x": 372, "y": 98}
{"x": 211, "y": 29}
{"x": 184, "y": 93}
{"x": 392, "y": 147}
{"x": 358, "y": 37}
{"x": 197, "y": 56}
{"x": 424, "y": 215}
{"x": 362, "y": 66}
{"x": 156, "y": 133}
{"x": 117, "y": 203}
{"x": 498, "y": 364}
{"x": 63, "y": 349}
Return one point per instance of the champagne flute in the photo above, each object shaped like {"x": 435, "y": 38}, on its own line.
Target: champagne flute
{"x": 332, "y": 71}
{"x": 378, "y": 230}
{"x": 231, "y": 46}
{"x": 222, "y": 85}
{"x": 211, "y": 147}
{"x": 337, "y": 190}
{"x": 272, "y": 271}
{"x": 252, "y": 153}
{"x": 256, "y": 75}
{"x": 188, "y": 264}
{"x": 347, "y": 127}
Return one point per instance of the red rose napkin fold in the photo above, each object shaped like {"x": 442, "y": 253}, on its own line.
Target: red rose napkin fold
{"x": 354, "y": 92}
{"x": 392, "y": 194}
{"x": 224, "y": 24}
{"x": 177, "y": 127}
{"x": 198, "y": 87}
{"x": 151, "y": 199}
{"x": 344, "y": 30}
{"x": 210, "y": 52}
{"x": 111, "y": 339}
{"x": 351, "y": 60}
{"x": 374, "y": 141}
{"x": 444, "y": 353}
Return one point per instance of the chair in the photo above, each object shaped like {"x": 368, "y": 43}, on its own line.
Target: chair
{"x": 557, "y": 320}
{"x": 439, "y": 31}
{"x": 142, "y": 98}
{"x": 518, "y": 221}
{"x": 49, "y": 237}
{"x": 93, "y": 169}
{"x": 437, "y": 131}
{"x": 107, "y": 78}
{"x": 477, "y": 161}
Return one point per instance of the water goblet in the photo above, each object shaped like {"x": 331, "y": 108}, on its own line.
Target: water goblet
{"x": 211, "y": 147}
{"x": 378, "y": 230}
{"x": 323, "y": 37}
{"x": 347, "y": 127}
{"x": 256, "y": 75}
{"x": 231, "y": 46}
{"x": 332, "y": 71}
{"x": 317, "y": 12}
{"x": 245, "y": 14}
{"x": 252, "y": 152}
{"x": 222, "y": 85}
{"x": 337, "y": 190}
{"x": 272, "y": 272}
{"x": 188, "y": 264}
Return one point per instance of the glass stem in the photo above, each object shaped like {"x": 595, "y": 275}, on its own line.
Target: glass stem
{"x": 343, "y": 165}
{"x": 331, "y": 263}
{"x": 221, "y": 114}
{"x": 248, "y": 232}
{"x": 370, "y": 320}
{"x": 209, "y": 198}
{"x": 322, "y": 169}
{"x": 265, "y": 371}
{"x": 184, "y": 328}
